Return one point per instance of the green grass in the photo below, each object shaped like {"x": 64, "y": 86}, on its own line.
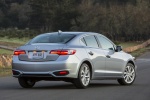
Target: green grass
{"x": 139, "y": 52}
{"x": 4, "y": 51}
{"x": 14, "y": 40}
{"x": 5, "y": 72}
{"x": 128, "y": 44}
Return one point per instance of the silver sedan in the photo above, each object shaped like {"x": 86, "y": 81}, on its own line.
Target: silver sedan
{"x": 76, "y": 57}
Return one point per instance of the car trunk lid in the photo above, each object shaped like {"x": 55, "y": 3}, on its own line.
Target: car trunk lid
{"x": 40, "y": 52}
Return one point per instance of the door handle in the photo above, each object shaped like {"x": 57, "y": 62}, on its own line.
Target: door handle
{"x": 91, "y": 53}
{"x": 108, "y": 56}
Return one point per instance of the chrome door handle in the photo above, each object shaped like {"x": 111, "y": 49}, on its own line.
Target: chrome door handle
{"x": 91, "y": 53}
{"x": 108, "y": 56}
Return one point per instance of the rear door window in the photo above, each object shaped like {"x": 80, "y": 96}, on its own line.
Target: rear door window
{"x": 91, "y": 41}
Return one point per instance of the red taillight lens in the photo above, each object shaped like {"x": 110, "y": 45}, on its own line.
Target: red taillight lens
{"x": 18, "y": 52}
{"x": 63, "y": 52}
{"x": 63, "y": 72}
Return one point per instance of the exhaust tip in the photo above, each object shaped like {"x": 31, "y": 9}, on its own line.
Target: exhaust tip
{"x": 15, "y": 72}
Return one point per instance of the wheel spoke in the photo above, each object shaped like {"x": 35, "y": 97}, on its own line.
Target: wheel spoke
{"x": 130, "y": 78}
{"x": 87, "y": 76}
{"x": 127, "y": 68}
{"x": 133, "y": 75}
{"x": 125, "y": 76}
{"x": 86, "y": 70}
{"x": 82, "y": 72}
{"x": 132, "y": 72}
{"x": 82, "y": 76}
{"x": 83, "y": 79}
{"x": 130, "y": 69}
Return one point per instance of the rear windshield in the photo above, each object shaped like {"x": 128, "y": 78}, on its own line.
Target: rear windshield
{"x": 52, "y": 38}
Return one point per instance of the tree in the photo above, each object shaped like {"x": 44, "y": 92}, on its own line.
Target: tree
{"x": 51, "y": 15}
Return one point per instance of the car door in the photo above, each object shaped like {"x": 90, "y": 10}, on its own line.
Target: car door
{"x": 114, "y": 60}
{"x": 95, "y": 54}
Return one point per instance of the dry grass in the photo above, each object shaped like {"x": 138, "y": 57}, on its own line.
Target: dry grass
{"x": 129, "y": 44}
{"x": 10, "y": 44}
{"x": 14, "y": 40}
{"x": 4, "y": 51}
{"x": 140, "y": 51}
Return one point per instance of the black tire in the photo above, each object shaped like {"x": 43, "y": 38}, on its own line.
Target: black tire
{"x": 78, "y": 82}
{"x": 26, "y": 83}
{"x": 123, "y": 81}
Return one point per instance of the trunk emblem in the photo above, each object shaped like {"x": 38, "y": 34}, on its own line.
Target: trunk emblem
{"x": 37, "y": 47}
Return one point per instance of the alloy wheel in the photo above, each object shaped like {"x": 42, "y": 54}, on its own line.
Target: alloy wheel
{"x": 85, "y": 75}
{"x": 129, "y": 74}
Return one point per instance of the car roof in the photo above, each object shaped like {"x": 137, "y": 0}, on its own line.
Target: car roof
{"x": 76, "y": 33}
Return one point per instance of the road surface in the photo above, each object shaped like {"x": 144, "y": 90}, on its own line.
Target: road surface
{"x": 98, "y": 90}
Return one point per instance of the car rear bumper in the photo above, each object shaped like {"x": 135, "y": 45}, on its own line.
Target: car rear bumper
{"x": 46, "y": 69}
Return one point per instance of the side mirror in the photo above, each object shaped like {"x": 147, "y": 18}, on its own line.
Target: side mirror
{"x": 118, "y": 48}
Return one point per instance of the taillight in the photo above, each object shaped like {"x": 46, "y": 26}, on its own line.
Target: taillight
{"x": 18, "y": 52}
{"x": 63, "y": 52}
{"x": 61, "y": 73}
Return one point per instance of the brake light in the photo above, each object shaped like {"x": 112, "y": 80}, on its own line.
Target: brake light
{"x": 18, "y": 52}
{"x": 63, "y": 52}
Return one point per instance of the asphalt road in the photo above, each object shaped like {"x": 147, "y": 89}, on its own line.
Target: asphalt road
{"x": 98, "y": 90}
